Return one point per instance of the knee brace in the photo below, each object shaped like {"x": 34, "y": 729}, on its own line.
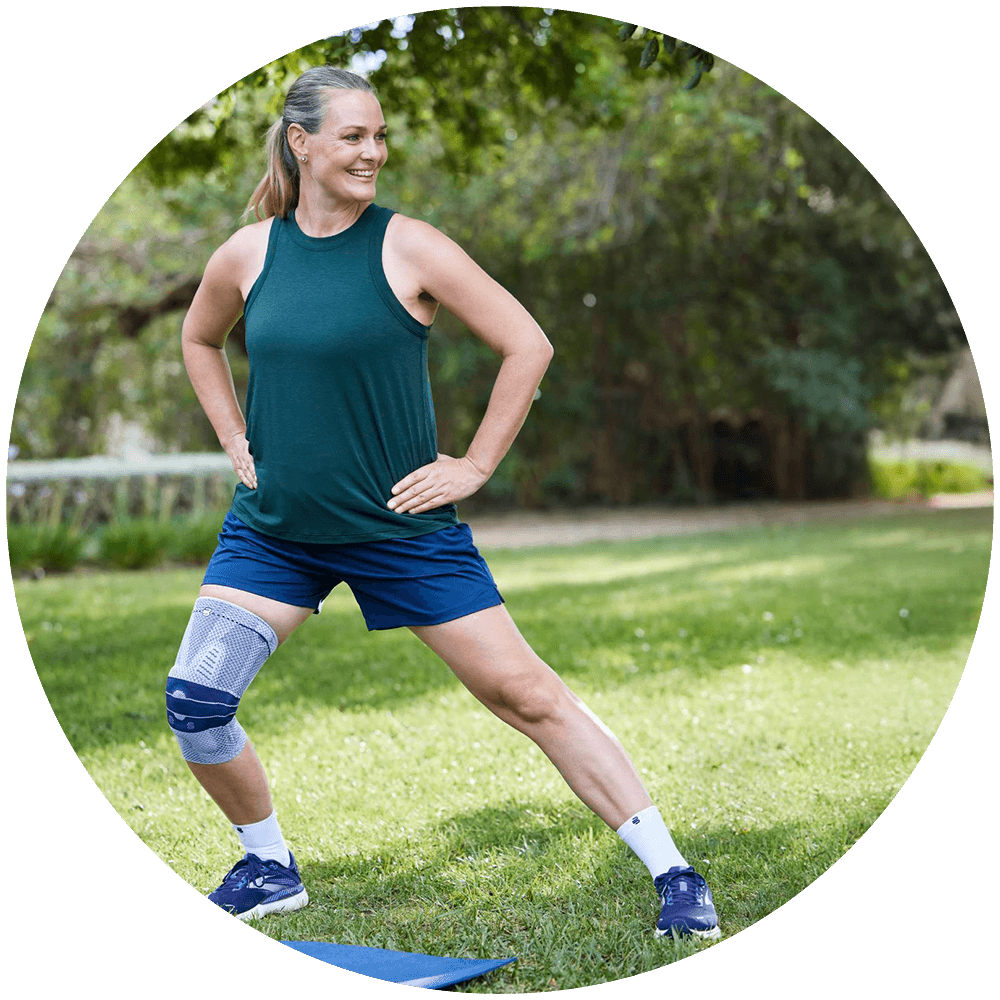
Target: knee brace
{"x": 223, "y": 648}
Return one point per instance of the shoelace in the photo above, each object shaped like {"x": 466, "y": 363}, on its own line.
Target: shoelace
{"x": 250, "y": 868}
{"x": 684, "y": 886}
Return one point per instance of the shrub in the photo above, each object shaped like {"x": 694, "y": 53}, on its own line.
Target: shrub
{"x": 896, "y": 480}
{"x": 194, "y": 541}
{"x": 134, "y": 544}
{"x": 53, "y": 549}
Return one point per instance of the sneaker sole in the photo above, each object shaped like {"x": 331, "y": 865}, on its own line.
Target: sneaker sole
{"x": 285, "y": 905}
{"x": 710, "y": 935}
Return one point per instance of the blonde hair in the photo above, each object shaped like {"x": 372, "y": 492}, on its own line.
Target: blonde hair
{"x": 305, "y": 105}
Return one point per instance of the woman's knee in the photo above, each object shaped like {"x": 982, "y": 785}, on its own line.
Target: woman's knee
{"x": 533, "y": 697}
{"x": 223, "y": 647}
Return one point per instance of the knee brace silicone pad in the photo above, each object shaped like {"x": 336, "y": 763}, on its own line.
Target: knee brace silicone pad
{"x": 223, "y": 648}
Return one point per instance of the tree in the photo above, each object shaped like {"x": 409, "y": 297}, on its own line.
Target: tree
{"x": 428, "y": 67}
{"x": 726, "y": 286}
{"x": 659, "y": 41}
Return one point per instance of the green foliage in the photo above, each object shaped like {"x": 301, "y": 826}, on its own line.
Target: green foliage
{"x": 821, "y": 385}
{"x": 428, "y": 67}
{"x": 695, "y": 258}
{"x": 194, "y": 540}
{"x": 52, "y": 549}
{"x": 133, "y": 544}
{"x": 701, "y": 60}
{"x": 130, "y": 544}
{"x": 898, "y": 480}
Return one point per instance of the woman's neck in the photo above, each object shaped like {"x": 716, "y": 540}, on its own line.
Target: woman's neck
{"x": 317, "y": 216}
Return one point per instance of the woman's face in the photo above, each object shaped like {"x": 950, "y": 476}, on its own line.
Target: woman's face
{"x": 347, "y": 153}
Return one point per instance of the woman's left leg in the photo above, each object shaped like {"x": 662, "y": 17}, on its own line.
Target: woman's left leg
{"x": 492, "y": 659}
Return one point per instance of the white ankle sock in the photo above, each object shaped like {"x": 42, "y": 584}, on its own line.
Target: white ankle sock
{"x": 264, "y": 839}
{"x": 648, "y": 836}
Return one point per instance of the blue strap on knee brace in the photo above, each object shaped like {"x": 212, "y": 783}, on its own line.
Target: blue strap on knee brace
{"x": 223, "y": 648}
{"x": 194, "y": 708}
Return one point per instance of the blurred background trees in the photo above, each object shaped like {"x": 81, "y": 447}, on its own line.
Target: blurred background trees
{"x": 733, "y": 299}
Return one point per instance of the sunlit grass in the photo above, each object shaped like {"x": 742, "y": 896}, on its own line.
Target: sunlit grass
{"x": 775, "y": 687}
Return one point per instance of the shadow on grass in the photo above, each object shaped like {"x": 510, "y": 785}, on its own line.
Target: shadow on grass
{"x": 104, "y": 675}
{"x": 504, "y": 881}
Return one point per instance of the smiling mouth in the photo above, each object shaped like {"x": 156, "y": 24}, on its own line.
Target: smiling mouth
{"x": 364, "y": 175}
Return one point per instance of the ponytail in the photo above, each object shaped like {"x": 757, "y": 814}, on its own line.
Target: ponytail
{"x": 278, "y": 191}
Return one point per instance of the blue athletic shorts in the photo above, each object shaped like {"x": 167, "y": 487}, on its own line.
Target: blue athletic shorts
{"x": 426, "y": 580}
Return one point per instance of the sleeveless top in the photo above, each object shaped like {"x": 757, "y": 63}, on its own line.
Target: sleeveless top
{"x": 338, "y": 403}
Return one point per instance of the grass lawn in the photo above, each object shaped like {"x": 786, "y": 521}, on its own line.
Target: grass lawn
{"x": 774, "y": 686}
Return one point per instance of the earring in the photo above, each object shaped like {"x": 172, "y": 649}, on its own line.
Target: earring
{"x": 303, "y": 159}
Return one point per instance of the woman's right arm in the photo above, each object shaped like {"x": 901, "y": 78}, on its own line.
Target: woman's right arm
{"x": 216, "y": 307}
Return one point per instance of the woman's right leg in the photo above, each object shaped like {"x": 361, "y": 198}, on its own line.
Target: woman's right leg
{"x": 239, "y": 785}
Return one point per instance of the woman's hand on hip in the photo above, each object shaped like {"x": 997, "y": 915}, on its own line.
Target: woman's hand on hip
{"x": 446, "y": 480}
{"x": 238, "y": 450}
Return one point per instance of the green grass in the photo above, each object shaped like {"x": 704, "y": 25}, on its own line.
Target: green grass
{"x": 764, "y": 681}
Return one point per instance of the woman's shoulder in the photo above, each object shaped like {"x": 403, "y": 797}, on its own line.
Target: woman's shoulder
{"x": 243, "y": 253}
{"x": 248, "y": 239}
{"x": 414, "y": 238}
{"x": 406, "y": 224}
{"x": 248, "y": 244}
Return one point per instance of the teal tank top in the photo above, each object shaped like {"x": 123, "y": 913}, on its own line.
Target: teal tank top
{"x": 338, "y": 404}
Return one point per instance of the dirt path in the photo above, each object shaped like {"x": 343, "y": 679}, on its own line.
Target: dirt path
{"x": 519, "y": 530}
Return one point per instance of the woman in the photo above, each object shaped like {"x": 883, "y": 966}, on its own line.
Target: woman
{"x": 340, "y": 480}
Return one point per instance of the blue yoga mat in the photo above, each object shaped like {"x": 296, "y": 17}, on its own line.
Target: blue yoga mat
{"x": 431, "y": 972}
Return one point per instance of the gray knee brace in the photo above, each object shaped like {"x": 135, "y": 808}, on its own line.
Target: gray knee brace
{"x": 223, "y": 648}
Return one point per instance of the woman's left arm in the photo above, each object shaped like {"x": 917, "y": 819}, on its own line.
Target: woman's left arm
{"x": 446, "y": 272}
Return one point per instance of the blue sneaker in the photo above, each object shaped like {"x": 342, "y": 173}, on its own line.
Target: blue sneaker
{"x": 687, "y": 904}
{"x": 254, "y": 888}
